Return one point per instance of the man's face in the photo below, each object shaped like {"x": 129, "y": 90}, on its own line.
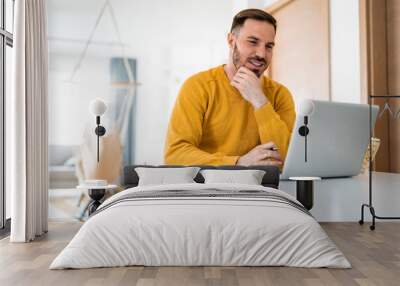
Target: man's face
{"x": 251, "y": 46}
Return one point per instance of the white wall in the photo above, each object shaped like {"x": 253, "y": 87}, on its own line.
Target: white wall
{"x": 238, "y": 5}
{"x": 170, "y": 40}
{"x": 69, "y": 101}
{"x": 345, "y": 51}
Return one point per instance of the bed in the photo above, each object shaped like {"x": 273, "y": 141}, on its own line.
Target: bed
{"x": 198, "y": 224}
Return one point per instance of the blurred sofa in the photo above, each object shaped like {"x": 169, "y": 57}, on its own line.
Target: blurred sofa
{"x": 62, "y": 166}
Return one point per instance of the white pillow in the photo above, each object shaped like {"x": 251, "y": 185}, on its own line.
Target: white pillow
{"x": 248, "y": 177}
{"x": 165, "y": 176}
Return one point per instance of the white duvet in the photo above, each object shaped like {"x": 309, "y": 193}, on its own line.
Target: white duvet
{"x": 200, "y": 231}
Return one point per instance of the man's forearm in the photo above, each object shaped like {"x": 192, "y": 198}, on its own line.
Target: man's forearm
{"x": 188, "y": 154}
{"x": 273, "y": 128}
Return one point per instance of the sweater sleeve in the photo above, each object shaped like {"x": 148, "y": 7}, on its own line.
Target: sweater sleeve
{"x": 186, "y": 127}
{"x": 275, "y": 123}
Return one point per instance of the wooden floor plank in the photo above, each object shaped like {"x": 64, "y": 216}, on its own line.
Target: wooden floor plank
{"x": 374, "y": 255}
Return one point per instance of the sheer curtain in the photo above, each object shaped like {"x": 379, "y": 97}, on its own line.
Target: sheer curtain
{"x": 28, "y": 120}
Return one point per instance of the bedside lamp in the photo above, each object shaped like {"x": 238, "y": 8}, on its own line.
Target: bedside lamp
{"x": 305, "y": 185}
{"x": 97, "y": 107}
{"x": 96, "y": 188}
{"x": 306, "y": 108}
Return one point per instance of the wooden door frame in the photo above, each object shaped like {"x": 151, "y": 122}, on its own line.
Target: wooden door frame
{"x": 374, "y": 70}
{"x": 281, "y": 4}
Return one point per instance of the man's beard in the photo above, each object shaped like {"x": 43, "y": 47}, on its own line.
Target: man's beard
{"x": 236, "y": 61}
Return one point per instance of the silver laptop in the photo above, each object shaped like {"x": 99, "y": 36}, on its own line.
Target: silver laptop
{"x": 337, "y": 140}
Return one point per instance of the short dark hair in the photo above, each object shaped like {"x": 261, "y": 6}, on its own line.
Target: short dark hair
{"x": 256, "y": 14}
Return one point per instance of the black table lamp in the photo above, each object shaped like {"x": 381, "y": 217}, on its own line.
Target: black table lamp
{"x": 306, "y": 108}
{"x": 97, "y": 107}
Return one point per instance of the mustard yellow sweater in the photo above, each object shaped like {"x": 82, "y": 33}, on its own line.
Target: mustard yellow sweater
{"x": 212, "y": 124}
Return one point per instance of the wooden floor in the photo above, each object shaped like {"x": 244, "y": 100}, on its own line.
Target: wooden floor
{"x": 375, "y": 257}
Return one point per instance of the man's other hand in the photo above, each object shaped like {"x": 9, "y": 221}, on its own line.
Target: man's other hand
{"x": 264, "y": 154}
{"x": 249, "y": 86}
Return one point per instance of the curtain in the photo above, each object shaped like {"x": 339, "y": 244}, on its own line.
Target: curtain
{"x": 28, "y": 121}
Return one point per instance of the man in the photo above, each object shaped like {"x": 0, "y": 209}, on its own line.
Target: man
{"x": 232, "y": 114}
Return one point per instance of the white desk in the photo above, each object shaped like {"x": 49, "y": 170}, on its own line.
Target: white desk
{"x": 340, "y": 199}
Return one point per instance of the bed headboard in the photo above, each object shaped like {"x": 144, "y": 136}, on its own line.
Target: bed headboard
{"x": 271, "y": 178}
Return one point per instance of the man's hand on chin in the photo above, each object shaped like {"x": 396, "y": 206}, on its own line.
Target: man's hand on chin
{"x": 264, "y": 154}
{"x": 249, "y": 86}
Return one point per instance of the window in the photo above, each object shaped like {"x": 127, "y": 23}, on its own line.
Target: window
{"x": 6, "y": 43}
